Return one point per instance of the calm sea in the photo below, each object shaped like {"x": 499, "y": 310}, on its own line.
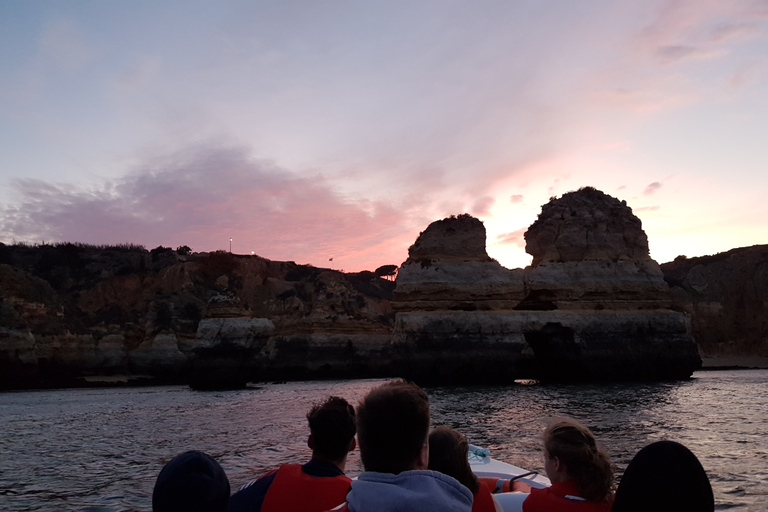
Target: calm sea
{"x": 101, "y": 449}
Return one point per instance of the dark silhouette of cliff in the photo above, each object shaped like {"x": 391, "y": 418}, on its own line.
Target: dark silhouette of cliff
{"x": 726, "y": 295}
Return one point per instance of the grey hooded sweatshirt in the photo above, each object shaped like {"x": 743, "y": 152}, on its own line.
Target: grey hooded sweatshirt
{"x": 410, "y": 491}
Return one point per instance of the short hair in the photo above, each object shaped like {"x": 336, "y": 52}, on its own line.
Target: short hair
{"x": 392, "y": 426}
{"x": 576, "y": 447}
{"x": 333, "y": 427}
{"x": 448, "y": 450}
{"x": 191, "y": 482}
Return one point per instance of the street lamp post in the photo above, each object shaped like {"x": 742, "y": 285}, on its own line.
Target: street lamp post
{"x": 230, "y": 245}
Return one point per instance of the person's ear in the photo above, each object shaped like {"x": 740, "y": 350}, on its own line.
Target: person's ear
{"x": 311, "y": 442}
{"x": 352, "y": 445}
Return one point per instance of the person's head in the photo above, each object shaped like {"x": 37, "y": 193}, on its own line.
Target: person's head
{"x": 664, "y": 477}
{"x": 392, "y": 428}
{"x": 332, "y": 429}
{"x": 191, "y": 482}
{"x": 571, "y": 452}
{"x": 448, "y": 451}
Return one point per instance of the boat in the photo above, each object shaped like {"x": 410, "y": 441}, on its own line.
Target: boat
{"x": 483, "y": 465}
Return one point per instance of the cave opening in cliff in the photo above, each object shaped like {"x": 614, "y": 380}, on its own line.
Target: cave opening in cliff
{"x": 557, "y": 355}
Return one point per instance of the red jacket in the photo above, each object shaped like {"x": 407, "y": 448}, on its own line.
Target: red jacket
{"x": 482, "y": 501}
{"x": 562, "y": 497}
{"x": 294, "y": 491}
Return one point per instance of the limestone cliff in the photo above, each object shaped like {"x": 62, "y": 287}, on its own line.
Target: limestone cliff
{"x": 593, "y": 305}
{"x": 590, "y": 252}
{"x": 71, "y": 313}
{"x": 448, "y": 268}
{"x": 727, "y": 298}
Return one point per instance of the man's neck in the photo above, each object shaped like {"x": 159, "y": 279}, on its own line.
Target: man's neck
{"x": 339, "y": 464}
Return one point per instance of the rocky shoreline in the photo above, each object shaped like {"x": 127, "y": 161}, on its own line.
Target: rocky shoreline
{"x": 592, "y": 306}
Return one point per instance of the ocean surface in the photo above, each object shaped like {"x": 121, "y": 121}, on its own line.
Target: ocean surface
{"x": 101, "y": 449}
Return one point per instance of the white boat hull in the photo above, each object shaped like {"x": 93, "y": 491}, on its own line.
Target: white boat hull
{"x": 484, "y": 466}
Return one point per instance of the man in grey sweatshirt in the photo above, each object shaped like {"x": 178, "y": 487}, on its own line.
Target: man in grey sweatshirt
{"x": 392, "y": 430}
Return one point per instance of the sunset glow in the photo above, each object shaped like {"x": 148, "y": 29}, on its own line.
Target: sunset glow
{"x": 307, "y": 131}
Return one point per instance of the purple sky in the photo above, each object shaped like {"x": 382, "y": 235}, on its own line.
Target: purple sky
{"x": 315, "y": 130}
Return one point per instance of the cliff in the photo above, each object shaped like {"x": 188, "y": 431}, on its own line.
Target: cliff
{"x": 72, "y": 314}
{"x": 726, "y": 296}
{"x": 448, "y": 268}
{"x": 593, "y": 305}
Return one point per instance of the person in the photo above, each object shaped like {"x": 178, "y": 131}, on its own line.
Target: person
{"x": 448, "y": 453}
{"x": 579, "y": 470}
{"x": 191, "y": 482}
{"x": 320, "y": 483}
{"x": 392, "y": 429}
{"x": 664, "y": 476}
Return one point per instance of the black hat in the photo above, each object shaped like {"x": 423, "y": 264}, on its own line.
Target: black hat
{"x": 191, "y": 482}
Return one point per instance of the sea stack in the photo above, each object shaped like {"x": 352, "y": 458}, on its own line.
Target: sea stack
{"x": 448, "y": 268}
{"x": 593, "y": 306}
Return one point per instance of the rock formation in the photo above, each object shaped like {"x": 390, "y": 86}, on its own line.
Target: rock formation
{"x": 593, "y": 305}
{"x": 727, "y": 298}
{"x": 590, "y": 252}
{"x": 448, "y": 268}
{"x": 75, "y": 315}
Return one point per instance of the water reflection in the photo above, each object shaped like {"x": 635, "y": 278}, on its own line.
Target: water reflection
{"x": 102, "y": 449}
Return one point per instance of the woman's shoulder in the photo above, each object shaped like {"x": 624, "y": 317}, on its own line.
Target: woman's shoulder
{"x": 483, "y": 499}
{"x": 563, "y": 497}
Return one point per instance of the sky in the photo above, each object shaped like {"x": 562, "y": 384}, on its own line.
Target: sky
{"x": 332, "y": 133}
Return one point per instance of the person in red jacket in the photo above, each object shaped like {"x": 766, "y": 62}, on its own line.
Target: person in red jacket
{"x": 579, "y": 470}
{"x": 448, "y": 450}
{"x": 319, "y": 484}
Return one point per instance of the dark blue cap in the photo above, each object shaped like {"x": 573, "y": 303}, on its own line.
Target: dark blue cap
{"x": 191, "y": 482}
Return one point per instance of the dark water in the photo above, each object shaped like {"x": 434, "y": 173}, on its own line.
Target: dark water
{"x": 100, "y": 450}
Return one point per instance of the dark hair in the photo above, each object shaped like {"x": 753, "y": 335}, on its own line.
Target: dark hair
{"x": 333, "y": 427}
{"x": 664, "y": 476}
{"x": 191, "y": 482}
{"x": 585, "y": 462}
{"x": 448, "y": 451}
{"x": 392, "y": 426}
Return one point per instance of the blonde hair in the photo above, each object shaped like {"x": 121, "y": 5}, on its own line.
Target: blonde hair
{"x": 575, "y": 446}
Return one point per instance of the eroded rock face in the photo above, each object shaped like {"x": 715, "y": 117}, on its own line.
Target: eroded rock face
{"x": 460, "y": 238}
{"x": 71, "y": 312}
{"x": 448, "y": 268}
{"x": 590, "y": 252}
{"x": 727, "y": 298}
{"x": 586, "y": 225}
{"x": 593, "y": 305}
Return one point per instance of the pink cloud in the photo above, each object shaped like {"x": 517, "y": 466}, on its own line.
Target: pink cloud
{"x": 729, "y": 31}
{"x": 675, "y": 53}
{"x": 514, "y": 238}
{"x": 646, "y": 209}
{"x": 482, "y": 205}
{"x": 652, "y": 188}
{"x": 205, "y": 196}
{"x": 517, "y": 198}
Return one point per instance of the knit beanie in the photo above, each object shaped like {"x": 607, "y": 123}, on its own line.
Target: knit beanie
{"x": 191, "y": 482}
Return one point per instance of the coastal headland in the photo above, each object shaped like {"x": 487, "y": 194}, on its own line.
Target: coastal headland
{"x": 593, "y": 306}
